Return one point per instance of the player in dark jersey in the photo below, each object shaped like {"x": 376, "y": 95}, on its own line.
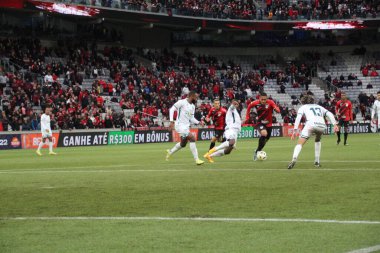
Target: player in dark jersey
{"x": 218, "y": 116}
{"x": 263, "y": 121}
{"x": 343, "y": 109}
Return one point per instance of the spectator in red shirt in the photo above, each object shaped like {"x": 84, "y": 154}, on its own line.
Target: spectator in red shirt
{"x": 374, "y": 73}
{"x": 365, "y": 71}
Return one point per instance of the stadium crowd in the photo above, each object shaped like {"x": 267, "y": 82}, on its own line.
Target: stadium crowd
{"x": 248, "y": 9}
{"x": 57, "y": 76}
{"x": 322, "y": 9}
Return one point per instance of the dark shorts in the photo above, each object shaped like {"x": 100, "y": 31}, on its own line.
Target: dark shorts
{"x": 219, "y": 134}
{"x": 261, "y": 127}
{"x": 343, "y": 123}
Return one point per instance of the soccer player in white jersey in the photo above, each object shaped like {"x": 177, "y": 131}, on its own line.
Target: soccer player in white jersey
{"x": 233, "y": 127}
{"x": 315, "y": 124}
{"x": 185, "y": 109}
{"x": 46, "y": 132}
{"x": 376, "y": 112}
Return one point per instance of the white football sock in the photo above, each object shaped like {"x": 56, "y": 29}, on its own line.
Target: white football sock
{"x": 222, "y": 146}
{"x": 175, "y": 148}
{"x": 194, "y": 150}
{"x": 317, "y": 150}
{"x": 297, "y": 151}
{"x": 218, "y": 153}
{"x": 50, "y": 146}
{"x": 40, "y": 146}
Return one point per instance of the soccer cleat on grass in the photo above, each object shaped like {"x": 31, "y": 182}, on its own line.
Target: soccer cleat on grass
{"x": 38, "y": 153}
{"x": 211, "y": 151}
{"x": 209, "y": 158}
{"x": 255, "y": 155}
{"x": 291, "y": 164}
{"x": 317, "y": 164}
{"x": 52, "y": 153}
{"x": 346, "y": 144}
{"x": 199, "y": 162}
{"x": 337, "y": 142}
{"x": 168, "y": 155}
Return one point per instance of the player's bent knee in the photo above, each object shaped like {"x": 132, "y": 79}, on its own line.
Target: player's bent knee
{"x": 183, "y": 142}
{"x": 228, "y": 150}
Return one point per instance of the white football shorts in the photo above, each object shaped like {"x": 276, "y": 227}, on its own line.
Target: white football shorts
{"x": 309, "y": 130}
{"x": 231, "y": 134}
{"x": 183, "y": 131}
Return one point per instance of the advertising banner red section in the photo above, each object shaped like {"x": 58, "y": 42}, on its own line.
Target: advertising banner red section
{"x": 32, "y": 140}
{"x": 287, "y": 130}
{"x": 18, "y": 4}
{"x": 177, "y": 138}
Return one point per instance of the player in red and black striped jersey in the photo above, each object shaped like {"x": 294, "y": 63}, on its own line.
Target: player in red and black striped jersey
{"x": 218, "y": 116}
{"x": 263, "y": 121}
{"x": 343, "y": 110}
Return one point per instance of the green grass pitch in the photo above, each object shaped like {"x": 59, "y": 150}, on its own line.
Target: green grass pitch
{"x": 136, "y": 181}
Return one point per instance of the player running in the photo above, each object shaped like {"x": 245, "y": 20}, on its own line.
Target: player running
{"x": 375, "y": 114}
{"x": 263, "y": 121}
{"x": 233, "y": 126}
{"x": 46, "y": 132}
{"x": 343, "y": 109}
{"x": 218, "y": 116}
{"x": 185, "y": 108}
{"x": 315, "y": 124}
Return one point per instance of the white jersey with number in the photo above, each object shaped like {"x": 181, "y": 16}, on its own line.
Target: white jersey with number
{"x": 233, "y": 120}
{"x": 233, "y": 124}
{"x": 185, "y": 113}
{"x": 315, "y": 116}
{"x": 45, "y": 125}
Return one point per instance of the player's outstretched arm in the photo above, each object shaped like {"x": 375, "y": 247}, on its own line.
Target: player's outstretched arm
{"x": 275, "y": 107}
{"x": 373, "y": 112}
{"x": 248, "y": 112}
{"x": 332, "y": 120}
{"x": 171, "y": 116}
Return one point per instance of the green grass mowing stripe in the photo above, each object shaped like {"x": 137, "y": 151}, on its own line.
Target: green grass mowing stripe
{"x": 196, "y": 219}
{"x": 187, "y": 170}
{"x": 181, "y": 236}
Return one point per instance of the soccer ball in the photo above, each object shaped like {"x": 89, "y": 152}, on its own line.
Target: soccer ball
{"x": 261, "y": 155}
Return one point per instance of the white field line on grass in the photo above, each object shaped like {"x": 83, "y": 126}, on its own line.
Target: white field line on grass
{"x": 183, "y": 164}
{"x": 183, "y": 170}
{"x": 299, "y": 220}
{"x": 366, "y": 250}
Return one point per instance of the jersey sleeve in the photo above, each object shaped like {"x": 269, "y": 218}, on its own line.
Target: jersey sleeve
{"x": 274, "y": 106}
{"x": 374, "y": 110}
{"x": 300, "y": 113}
{"x": 174, "y": 108}
{"x": 193, "y": 119}
{"x": 327, "y": 114}
{"x": 178, "y": 105}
